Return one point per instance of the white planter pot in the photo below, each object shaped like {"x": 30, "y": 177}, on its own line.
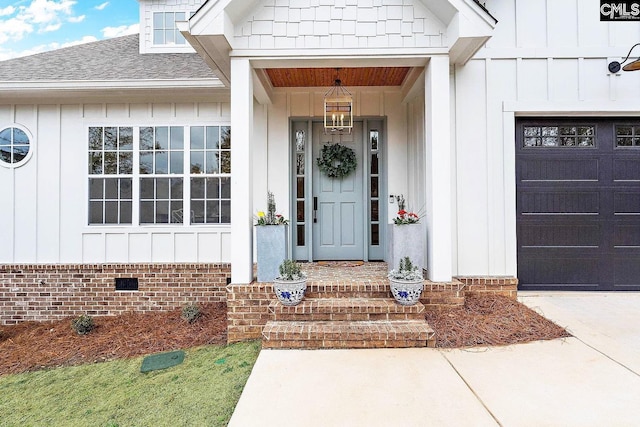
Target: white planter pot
{"x": 405, "y": 240}
{"x": 406, "y": 292}
{"x": 271, "y": 242}
{"x": 290, "y": 292}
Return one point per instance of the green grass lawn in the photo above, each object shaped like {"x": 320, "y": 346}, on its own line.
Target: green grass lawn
{"x": 202, "y": 391}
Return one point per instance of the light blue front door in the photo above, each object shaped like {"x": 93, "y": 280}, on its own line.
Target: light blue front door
{"x": 339, "y": 220}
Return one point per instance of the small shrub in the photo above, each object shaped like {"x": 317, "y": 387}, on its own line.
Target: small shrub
{"x": 406, "y": 271}
{"x": 83, "y": 324}
{"x": 191, "y": 312}
{"x": 290, "y": 270}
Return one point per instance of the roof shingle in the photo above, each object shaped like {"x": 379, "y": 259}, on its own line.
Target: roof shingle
{"x": 112, "y": 59}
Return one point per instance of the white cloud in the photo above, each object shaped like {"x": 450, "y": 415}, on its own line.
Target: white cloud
{"x": 9, "y": 10}
{"x": 14, "y": 29}
{"x": 85, "y": 39}
{"x": 45, "y": 15}
{"x": 46, "y": 11}
{"x": 51, "y": 27}
{"x": 76, "y": 19}
{"x": 9, "y": 54}
{"x": 102, "y": 6}
{"x": 122, "y": 30}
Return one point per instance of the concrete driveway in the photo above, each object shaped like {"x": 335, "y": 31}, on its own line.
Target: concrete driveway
{"x": 608, "y": 322}
{"x": 592, "y": 379}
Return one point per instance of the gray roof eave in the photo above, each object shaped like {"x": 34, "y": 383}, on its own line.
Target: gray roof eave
{"x": 85, "y": 85}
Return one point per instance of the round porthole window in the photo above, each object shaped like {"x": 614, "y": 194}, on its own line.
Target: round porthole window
{"x": 15, "y": 146}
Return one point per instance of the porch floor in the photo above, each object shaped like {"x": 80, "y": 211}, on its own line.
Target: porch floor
{"x": 344, "y": 272}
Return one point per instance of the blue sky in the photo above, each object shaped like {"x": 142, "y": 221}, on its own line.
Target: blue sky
{"x": 33, "y": 26}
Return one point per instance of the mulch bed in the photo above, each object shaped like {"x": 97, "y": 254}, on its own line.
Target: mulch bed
{"x": 490, "y": 320}
{"x": 33, "y": 345}
{"x": 483, "y": 320}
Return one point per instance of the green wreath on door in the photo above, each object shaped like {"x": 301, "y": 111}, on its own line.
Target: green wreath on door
{"x": 337, "y": 161}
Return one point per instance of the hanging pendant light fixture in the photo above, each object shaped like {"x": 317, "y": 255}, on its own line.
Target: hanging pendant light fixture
{"x": 338, "y": 108}
{"x": 614, "y": 66}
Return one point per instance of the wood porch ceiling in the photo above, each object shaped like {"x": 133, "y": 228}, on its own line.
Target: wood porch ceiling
{"x": 320, "y": 77}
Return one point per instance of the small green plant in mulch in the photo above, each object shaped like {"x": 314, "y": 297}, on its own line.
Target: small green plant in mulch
{"x": 191, "y": 313}
{"x": 83, "y": 324}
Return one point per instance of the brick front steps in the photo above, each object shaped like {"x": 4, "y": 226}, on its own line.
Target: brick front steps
{"x": 347, "y": 314}
{"x": 339, "y": 309}
{"x": 345, "y": 295}
{"x": 347, "y": 334}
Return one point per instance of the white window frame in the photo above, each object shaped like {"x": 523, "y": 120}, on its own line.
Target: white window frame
{"x": 164, "y": 29}
{"x": 26, "y": 158}
{"x": 136, "y": 176}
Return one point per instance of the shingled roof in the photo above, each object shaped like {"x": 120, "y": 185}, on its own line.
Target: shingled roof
{"x": 114, "y": 59}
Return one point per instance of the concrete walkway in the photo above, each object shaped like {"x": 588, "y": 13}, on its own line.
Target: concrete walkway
{"x": 589, "y": 380}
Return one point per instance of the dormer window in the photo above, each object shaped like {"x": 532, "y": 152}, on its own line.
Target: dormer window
{"x": 165, "y": 31}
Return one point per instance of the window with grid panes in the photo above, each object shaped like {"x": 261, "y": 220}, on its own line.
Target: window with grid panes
{"x": 161, "y": 170}
{"x": 165, "y": 31}
{"x": 627, "y": 136}
{"x": 15, "y": 146}
{"x": 210, "y": 165}
{"x": 301, "y": 142}
{"x": 162, "y": 152}
{"x": 374, "y": 187}
{"x": 110, "y": 175}
{"x": 579, "y": 136}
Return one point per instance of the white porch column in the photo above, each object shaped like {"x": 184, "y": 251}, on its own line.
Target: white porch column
{"x": 241, "y": 176}
{"x": 438, "y": 169}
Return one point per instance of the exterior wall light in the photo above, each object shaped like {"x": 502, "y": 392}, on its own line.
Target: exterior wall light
{"x": 614, "y": 66}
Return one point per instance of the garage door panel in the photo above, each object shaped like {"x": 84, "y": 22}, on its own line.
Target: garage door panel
{"x": 626, "y": 170}
{"x": 626, "y": 202}
{"x": 556, "y": 272}
{"x": 626, "y": 272}
{"x": 562, "y": 169}
{"x": 554, "y": 235}
{"x": 560, "y": 202}
{"x": 626, "y": 236}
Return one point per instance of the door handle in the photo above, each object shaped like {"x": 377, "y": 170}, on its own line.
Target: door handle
{"x": 315, "y": 209}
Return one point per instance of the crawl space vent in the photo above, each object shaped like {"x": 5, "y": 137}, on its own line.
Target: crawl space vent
{"x": 126, "y": 284}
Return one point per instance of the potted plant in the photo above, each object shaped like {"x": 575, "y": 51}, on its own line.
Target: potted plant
{"x": 406, "y": 282}
{"x": 290, "y": 284}
{"x": 271, "y": 240}
{"x": 406, "y": 237}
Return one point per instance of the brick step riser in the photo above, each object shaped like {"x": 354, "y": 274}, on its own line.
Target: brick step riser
{"x": 329, "y": 344}
{"x": 443, "y": 297}
{"x": 347, "y": 294}
{"x": 312, "y": 317}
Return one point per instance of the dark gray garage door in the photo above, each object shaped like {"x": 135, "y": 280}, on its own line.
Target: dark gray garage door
{"x": 578, "y": 203}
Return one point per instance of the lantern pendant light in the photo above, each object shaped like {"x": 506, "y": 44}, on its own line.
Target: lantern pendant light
{"x": 338, "y": 109}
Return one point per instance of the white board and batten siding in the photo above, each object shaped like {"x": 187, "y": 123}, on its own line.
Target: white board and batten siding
{"x": 44, "y": 203}
{"x": 546, "y": 57}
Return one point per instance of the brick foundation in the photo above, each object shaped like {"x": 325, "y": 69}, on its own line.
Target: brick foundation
{"x": 54, "y": 291}
{"x": 500, "y": 285}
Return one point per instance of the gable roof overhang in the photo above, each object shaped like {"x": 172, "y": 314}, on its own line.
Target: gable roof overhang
{"x": 106, "y": 68}
{"x": 211, "y": 32}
